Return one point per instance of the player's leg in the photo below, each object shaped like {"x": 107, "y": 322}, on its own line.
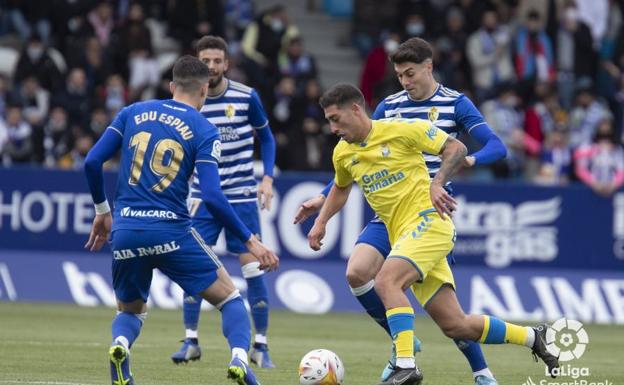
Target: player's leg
{"x": 257, "y": 290}
{"x": 132, "y": 277}
{"x": 455, "y": 324}
{"x": 441, "y": 278}
{"x": 209, "y": 230}
{"x": 363, "y": 265}
{"x": 197, "y": 270}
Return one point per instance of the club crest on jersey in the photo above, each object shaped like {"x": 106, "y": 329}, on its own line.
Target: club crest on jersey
{"x": 230, "y": 111}
{"x": 385, "y": 150}
{"x": 433, "y": 114}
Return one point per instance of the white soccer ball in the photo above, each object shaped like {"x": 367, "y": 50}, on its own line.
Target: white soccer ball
{"x": 321, "y": 367}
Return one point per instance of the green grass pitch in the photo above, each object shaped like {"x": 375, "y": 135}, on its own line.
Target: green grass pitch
{"x": 67, "y": 345}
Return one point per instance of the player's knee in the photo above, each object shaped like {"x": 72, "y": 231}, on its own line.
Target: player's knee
{"x": 385, "y": 286}
{"x": 357, "y": 276}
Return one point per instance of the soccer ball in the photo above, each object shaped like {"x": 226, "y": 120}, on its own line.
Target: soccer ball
{"x": 321, "y": 367}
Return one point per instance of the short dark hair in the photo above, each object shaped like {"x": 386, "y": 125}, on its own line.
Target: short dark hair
{"x": 341, "y": 94}
{"x": 190, "y": 74}
{"x": 211, "y": 42}
{"x": 414, "y": 50}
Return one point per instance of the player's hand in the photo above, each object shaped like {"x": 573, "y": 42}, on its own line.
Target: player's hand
{"x": 469, "y": 161}
{"x": 309, "y": 208}
{"x": 442, "y": 201}
{"x": 100, "y": 231}
{"x": 316, "y": 235}
{"x": 268, "y": 260}
{"x": 265, "y": 193}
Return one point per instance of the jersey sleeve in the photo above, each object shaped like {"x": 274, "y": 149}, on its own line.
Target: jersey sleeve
{"x": 257, "y": 115}
{"x": 467, "y": 115}
{"x": 380, "y": 111}
{"x": 209, "y": 145}
{"x": 119, "y": 123}
{"x": 343, "y": 177}
{"x": 424, "y": 136}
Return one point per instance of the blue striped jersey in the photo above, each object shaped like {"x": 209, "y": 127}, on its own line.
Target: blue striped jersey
{"x": 448, "y": 109}
{"x": 236, "y": 113}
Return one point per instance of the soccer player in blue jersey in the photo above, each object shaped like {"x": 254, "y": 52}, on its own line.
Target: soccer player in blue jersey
{"x": 161, "y": 142}
{"x": 422, "y": 97}
{"x": 237, "y": 112}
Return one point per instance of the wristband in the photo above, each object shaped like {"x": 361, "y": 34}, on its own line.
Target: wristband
{"x": 102, "y": 208}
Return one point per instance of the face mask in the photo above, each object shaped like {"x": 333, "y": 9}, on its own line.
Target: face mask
{"x": 391, "y": 46}
{"x": 34, "y": 53}
{"x": 415, "y": 29}
{"x": 277, "y": 25}
{"x": 571, "y": 14}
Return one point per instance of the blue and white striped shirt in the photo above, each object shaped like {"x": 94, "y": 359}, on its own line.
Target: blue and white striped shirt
{"x": 236, "y": 113}
{"x": 448, "y": 109}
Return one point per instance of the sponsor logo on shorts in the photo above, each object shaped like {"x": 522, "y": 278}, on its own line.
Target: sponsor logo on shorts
{"x": 146, "y": 251}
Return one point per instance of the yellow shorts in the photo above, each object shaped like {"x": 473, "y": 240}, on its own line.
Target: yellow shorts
{"x": 425, "y": 244}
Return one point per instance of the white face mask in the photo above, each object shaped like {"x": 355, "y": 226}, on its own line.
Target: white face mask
{"x": 391, "y": 46}
{"x": 34, "y": 53}
{"x": 415, "y": 29}
{"x": 277, "y": 25}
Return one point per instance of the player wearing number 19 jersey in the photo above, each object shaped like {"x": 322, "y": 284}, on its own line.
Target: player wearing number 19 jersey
{"x": 161, "y": 142}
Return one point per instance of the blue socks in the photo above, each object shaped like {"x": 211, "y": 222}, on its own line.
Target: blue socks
{"x": 126, "y": 328}
{"x": 191, "y": 308}
{"x": 473, "y": 353}
{"x": 235, "y": 322}
{"x": 370, "y": 301}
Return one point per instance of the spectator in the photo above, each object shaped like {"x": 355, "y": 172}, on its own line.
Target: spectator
{"x": 556, "y": 159}
{"x": 75, "y": 98}
{"x": 414, "y": 26}
{"x": 600, "y": 165}
{"x": 96, "y": 64}
{"x": 75, "y": 158}
{"x": 34, "y": 100}
{"x": 35, "y": 60}
{"x": 115, "y": 95}
{"x": 503, "y": 115}
{"x": 452, "y": 64}
{"x": 540, "y": 119}
{"x": 286, "y": 123}
{"x": 297, "y": 63}
{"x": 18, "y": 133}
{"x": 76, "y": 31}
{"x": 535, "y": 61}
{"x": 488, "y": 51}
{"x": 238, "y": 14}
{"x": 261, "y": 45}
{"x": 56, "y": 137}
{"x": 98, "y": 122}
{"x": 586, "y": 115}
{"x": 576, "y": 57}
{"x": 132, "y": 39}
{"x": 4, "y": 93}
{"x": 377, "y": 67}
{"x": 190, "y": 20}
{"x": 101, "y": 20}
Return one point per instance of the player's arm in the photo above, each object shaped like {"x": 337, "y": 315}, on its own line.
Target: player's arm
{"x": 219, "y": 207}
{"x": 452, "y": 153}
{"x": 336, "y": 199}
{"x": 492, "y": 148}
{"x": 102, "y": 151}
{"x": 259, "y": 121}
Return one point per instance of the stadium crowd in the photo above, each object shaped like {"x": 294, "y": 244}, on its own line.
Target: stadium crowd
{"x": 548, "y": 75}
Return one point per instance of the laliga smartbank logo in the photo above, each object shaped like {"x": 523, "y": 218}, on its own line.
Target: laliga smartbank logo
{"x": 567, "y": 339}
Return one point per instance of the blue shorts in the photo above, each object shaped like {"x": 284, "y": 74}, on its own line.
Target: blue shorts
{"x": 210, "y": 227}
{"x": 180, "y": 255}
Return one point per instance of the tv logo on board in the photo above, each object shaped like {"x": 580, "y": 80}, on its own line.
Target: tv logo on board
{"x": 506, "y": 233}
{"x": 165, "y": 214}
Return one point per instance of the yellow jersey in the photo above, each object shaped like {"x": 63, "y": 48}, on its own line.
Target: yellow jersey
{"x": 390, "y": 169}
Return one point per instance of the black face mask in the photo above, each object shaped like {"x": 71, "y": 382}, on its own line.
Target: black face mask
{"x": 605, "y": 137}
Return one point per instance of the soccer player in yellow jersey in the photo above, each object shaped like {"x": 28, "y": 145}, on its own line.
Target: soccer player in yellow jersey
{"x": 384, "y": 157}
